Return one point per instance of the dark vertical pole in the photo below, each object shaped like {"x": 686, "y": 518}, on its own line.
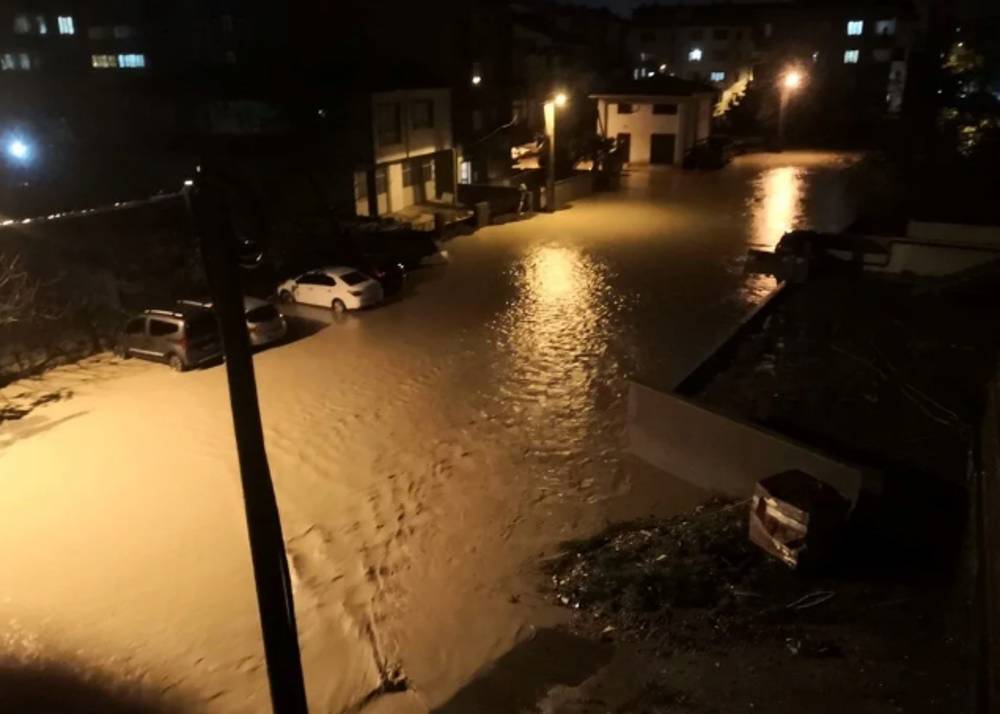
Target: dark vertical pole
{"x": 213, "y": 221}
{"x": 782, "y": 102}
{"x": 549, "y": 109}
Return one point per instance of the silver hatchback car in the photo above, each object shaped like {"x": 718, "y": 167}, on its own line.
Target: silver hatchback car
{"x": 265, "y": 323}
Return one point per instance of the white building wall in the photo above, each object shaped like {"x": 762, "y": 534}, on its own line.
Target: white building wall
{"x": 640, "y": 124}
{"x": 691, "y": 123}
{"x": 413, "y": 144}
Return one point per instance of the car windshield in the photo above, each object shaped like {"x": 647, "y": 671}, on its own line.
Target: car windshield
{"x": 263, "y": 313}
{"x": 354, "y": 278}
{"x": 201, "y": 325}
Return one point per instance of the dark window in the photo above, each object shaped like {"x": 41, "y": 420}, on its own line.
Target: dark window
{"x": 664, "y": 109}
{"x": 136, "y": 326}
{"x": 408, "y": 173}
{"x": 387, "y": 126}
{"x": 227, "y": 23}
{"x": 159, "y": 328}
{"x": 697, "y": 33}
{"x": 738, "y": 35}
{"x": 354, "y": 278}
{"x": 380, "y": 180}
{"x": 720, "y": 33}
{"x": 316, "y": 279}
{"x": 427, "y": 170}
{"x": 647, "y": 37}
{"x": 624, "y": 108}
{"x": 422, "y": 114}
{"x": 720, "y": 55}
{"x": 263, "y": 313}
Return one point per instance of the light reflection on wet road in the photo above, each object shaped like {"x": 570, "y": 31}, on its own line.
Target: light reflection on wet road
{"x": 425, "y": 453}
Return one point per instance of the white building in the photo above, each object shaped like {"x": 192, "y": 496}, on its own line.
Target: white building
{"x": 655, "y": 120}
{"x": 412, "y": 158}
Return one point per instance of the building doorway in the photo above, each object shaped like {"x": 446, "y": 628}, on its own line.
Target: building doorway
{"x": 661, "y": 148}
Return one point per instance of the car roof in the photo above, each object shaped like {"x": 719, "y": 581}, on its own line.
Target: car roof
{"x": 249, "y": 303}
{"x": 338, "y": 270}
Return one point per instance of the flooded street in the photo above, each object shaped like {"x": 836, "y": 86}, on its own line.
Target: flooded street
{"x": 425, "y": 454}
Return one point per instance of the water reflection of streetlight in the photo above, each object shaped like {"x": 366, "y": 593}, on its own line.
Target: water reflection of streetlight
{"x": 777, "y": 204}
{"x": 557, "y": 332}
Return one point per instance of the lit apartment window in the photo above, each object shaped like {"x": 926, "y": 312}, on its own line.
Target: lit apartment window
{"x": 718, "y": 76}
{"x": 43, "y": 27}
{"x": 885, "y": 27}
{"x": 23, "y": 25}
{"x": 104, "y": 61}
{"x": 66, "y": 26}
{"x": 11, "y": 61}
{"x": 132, "y": 60}
{"x": 695, "y": 54}
{"x": 855, "y": 27}
{"x": 851, "y": 56}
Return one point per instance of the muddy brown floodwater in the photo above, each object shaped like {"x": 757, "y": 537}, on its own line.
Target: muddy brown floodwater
{"x": 425, "y": 454}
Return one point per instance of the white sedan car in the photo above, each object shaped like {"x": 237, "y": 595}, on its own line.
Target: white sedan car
{"x": 338, "y": 288}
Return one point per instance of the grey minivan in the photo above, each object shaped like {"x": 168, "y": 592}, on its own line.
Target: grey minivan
{"x": 183, "y": 338}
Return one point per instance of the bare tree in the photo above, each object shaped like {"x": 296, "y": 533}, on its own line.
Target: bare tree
{"x": 18, "y": 292}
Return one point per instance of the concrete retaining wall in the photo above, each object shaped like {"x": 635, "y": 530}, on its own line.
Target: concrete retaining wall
{"x": 502, "y": 199}
{"x": 574, "y": 187}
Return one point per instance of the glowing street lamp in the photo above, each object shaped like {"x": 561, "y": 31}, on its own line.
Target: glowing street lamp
{"x": 559, "y": 100}
{"x": 792, "y": 80}
{"x": 18, "y": 150}
{"x": 789, "y": 83}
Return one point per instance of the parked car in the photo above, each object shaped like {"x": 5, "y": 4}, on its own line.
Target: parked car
{"x": 185, "y": 337}
{"x": 340, "y": 288}
{"x": 265, "y": 323}
{"x": 389, "y": 272}
{"x": 711, "y": 153}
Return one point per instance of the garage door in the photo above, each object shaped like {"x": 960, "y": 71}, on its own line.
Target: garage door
{"x": 661, "y": 148}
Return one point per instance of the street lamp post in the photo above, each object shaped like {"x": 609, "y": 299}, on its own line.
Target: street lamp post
{"x": 559, "y": 100}
{"x": 789, "y": 83}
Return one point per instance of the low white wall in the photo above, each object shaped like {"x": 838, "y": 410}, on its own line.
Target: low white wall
{"x": 954, "y": 233}
{"x": 717, "y": 453}
{"x": 570, "y": 189}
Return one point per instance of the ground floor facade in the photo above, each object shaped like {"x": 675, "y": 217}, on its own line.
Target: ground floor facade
{"x": 651, "y": 129}
{"x": 393, "y": 186}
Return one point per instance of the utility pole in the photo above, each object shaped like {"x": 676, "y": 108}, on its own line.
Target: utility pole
{"x": 209, "y": 201}
{"x": 549, "y": 109}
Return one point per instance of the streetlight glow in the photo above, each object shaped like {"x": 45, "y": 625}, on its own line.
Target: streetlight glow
{"x": 560, "y": 99}
{"x": 793, "y": 79}
{"x": 18, "y": 149}
{"x": 476, "y": 80}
